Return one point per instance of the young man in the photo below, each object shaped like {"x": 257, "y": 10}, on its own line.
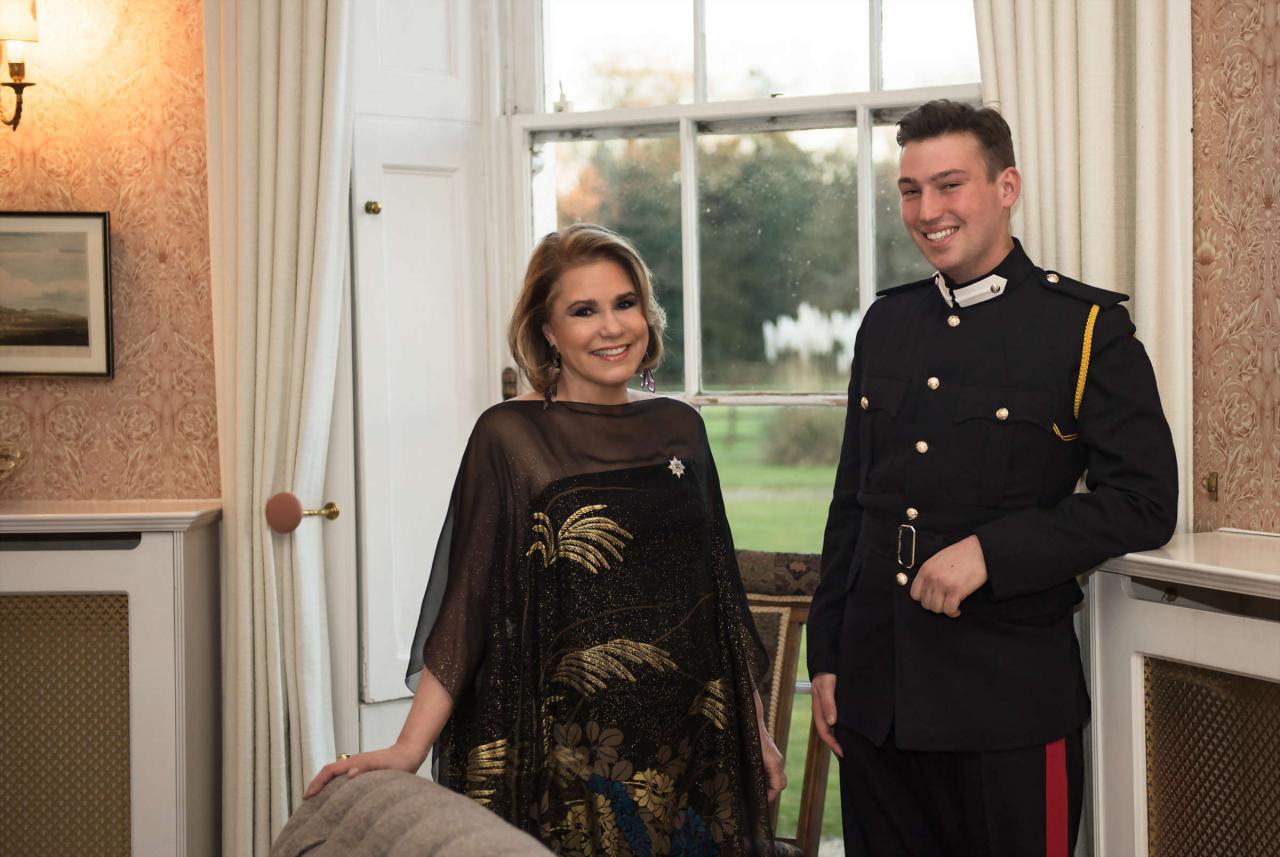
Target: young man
{"x": 946, "y": 670}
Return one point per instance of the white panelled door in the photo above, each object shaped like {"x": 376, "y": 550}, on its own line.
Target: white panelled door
{"x": 417, "y": 58}
{"x": 420, "y": 345}
{"x": 421, "y": 356}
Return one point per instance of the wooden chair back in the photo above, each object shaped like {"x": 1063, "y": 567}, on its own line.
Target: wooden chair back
{"x": 780, "y": 588}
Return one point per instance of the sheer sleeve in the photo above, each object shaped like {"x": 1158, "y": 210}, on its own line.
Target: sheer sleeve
{"x": 470, "y": 562}
{"x": 725, "y": 557}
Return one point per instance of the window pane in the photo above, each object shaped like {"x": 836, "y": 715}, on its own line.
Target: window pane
{"x": 632, "y": 187}
{"x": 777, "y": 466}
{"x": 779, "y": 259}
{"x": 756, "y": 48}
{"x": 638, "y": 53}
{"x": 898, "y": 260}
{"x": 928, "y": 43}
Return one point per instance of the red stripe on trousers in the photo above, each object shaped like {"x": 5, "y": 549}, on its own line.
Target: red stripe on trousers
{"x": 1055, "y": 799}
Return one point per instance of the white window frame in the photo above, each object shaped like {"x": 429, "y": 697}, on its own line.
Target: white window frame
{"x": 524, "y": 106}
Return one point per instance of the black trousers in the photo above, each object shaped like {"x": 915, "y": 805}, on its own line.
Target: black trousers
{"x": 1010, "y": 803}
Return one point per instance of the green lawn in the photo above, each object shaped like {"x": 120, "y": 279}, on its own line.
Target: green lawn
{"x": 737, "y": 440}
{"x": 778, "y": 507}
{"x": 775, "y": 507}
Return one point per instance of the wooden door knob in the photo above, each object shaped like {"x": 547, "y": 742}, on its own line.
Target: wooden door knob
{"x": 285, "y": 512}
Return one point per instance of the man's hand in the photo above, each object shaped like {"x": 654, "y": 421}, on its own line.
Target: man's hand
{"x": 949, "y": 577}
{"x": 824, "y": 710}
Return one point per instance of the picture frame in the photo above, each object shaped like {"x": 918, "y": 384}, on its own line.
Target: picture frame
{"x": 55, "y": 293}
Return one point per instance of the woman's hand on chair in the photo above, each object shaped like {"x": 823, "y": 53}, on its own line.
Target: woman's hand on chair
{"x": 396, "y": 757}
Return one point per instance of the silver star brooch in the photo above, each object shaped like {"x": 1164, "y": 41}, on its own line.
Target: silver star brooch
{"x": 676, "y": 466}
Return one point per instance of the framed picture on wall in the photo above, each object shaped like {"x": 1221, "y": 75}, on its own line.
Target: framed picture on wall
{"x": 55, "y": 293}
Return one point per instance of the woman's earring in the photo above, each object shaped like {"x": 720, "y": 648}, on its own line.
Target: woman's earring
{"x": 550, "y": 393}
{"x": 646, "y": 381}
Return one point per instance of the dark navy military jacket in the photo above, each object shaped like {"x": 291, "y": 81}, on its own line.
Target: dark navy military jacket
{"x": 970, "y": 417}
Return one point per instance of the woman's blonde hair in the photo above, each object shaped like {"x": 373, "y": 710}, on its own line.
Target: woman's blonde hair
{"x": 580, "y": 244}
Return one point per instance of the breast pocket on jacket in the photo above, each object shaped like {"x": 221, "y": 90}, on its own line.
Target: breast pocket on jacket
{"x": 1003, "y": 442}
{"x": 878, "y": 408}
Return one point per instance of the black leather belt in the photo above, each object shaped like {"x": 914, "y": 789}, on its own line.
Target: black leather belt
{"x": 905, "y": 542}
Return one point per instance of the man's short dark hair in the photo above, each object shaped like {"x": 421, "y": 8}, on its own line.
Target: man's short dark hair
{"x": 942, "y": 116}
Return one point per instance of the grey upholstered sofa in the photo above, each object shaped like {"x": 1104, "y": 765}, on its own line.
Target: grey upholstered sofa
{"x": 394, "y": 814}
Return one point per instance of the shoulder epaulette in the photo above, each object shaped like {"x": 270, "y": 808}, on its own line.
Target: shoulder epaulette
{"x": 1076, "y": 289}
{"x": 928, "y": 281}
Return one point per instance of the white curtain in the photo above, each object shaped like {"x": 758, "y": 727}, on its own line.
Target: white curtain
{"x": 279, "y": 154}
{"x": 1098, "y": 94}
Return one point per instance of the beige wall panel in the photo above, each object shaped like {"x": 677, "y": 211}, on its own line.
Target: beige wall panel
{"x": 116, "y": 123}
{"x": 1237, "y": 253}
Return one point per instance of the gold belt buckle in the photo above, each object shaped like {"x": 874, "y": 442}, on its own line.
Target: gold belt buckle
{"x": 901, "y": 529}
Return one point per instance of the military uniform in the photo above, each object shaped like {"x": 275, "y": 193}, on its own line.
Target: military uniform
{"x": 975, "y": 409}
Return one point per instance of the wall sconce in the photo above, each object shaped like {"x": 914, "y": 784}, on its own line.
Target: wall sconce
{"x": 17, "y": 27}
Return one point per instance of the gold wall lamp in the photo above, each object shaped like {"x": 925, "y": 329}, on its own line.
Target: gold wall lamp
{"x": 17, "y": 28}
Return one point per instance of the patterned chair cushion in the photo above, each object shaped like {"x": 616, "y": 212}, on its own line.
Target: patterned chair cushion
{"x": 779, "y": 574}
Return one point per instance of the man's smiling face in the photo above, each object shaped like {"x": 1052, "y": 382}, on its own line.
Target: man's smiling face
{"x": 957, "y": 214}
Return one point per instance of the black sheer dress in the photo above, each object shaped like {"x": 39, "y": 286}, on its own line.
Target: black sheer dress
{"x": 585, "y": 612}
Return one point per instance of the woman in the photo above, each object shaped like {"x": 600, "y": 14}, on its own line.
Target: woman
{"x": 584, "y": 654}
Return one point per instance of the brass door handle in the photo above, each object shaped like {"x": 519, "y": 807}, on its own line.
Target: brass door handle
{"x": 11, "y": 458}
{"x": 1210, "y": 484}
{"x": 373, "y": 207}
{"x": 285, "y": 512}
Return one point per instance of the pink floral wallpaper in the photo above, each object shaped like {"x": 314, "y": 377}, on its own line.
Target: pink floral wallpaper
{"x": 1236, "y": 345}
{"x": 116, "y": 123}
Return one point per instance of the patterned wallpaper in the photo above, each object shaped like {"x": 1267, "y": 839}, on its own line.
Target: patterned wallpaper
{"x": 1237, "y": 248}
{"x": 116, "y": 123}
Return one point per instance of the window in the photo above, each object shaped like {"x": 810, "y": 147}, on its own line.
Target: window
{"x": 747, "y": 148}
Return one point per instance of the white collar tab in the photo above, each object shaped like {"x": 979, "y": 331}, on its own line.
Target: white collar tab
{"x": 989, "y": 287}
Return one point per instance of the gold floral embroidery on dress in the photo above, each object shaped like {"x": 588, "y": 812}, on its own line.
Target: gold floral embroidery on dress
{"x": 620, "y": 811}
{"x": 485, "y": 764}
{"x": 588, "y": 670}
{"x": 584, "y": 538}
{"x": 654, "y": 793}
{"x": 721, "y": 821}
{"x": 590, "y": 827}
{"x": 712, "y": 702}
{"x": 580, "y": 753}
